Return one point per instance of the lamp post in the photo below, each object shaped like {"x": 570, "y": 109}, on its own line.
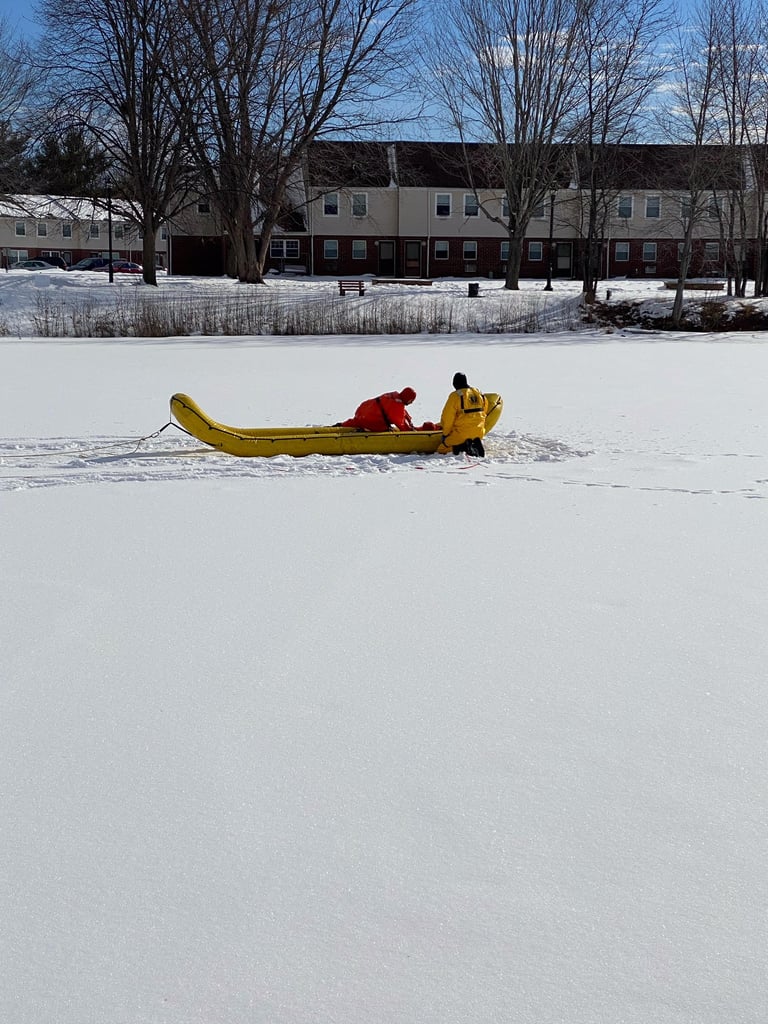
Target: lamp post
{"x": 109, "y": 230}
{"x": 548, "y": 285}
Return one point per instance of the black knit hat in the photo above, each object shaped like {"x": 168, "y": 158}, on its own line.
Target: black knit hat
{"x": 460, "y": 381}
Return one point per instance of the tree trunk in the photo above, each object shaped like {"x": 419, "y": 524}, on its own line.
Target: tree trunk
{"x": 148, "y": 252}
{"x": 512, "y": 280}
{"x": 685, "y": 262}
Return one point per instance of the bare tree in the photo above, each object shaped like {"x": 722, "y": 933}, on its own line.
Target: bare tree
{"x": 690, "y": 120}
{"x": 16, "y": 79}
{"x": 505, "y": 73}
{"x": 619, "y": 70}
{"x": 116, "y": 85}
{"x": 274, "y": 76}
{"x": 741, "y": 119}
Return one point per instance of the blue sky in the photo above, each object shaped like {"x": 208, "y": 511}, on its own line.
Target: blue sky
{"x": 19, "y": 15}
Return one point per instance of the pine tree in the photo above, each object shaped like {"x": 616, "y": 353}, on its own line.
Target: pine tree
{"x": 67, "y": 165}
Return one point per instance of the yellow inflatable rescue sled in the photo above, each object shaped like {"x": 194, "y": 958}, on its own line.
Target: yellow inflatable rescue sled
{"x": 250, "y": 442}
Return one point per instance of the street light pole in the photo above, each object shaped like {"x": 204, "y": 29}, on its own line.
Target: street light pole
{"x": 109, "y": 230}
{"x": 548, "y": 285}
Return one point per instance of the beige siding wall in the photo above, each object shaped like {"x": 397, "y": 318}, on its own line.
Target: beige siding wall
{"x": 381, "y": 217}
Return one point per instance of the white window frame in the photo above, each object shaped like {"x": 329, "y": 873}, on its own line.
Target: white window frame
{"x": 119, "y": 230}
{"x": 17, "y": 255}
{"x": 284, "y": 248}
{"x": 442, "y": 249}
{"x": 621, "y": 203}
{"x": 94, "y": 231}
{"x": 686, "y": 208}
{"x": 712, "y": 252}
{"x": 714, "y": 208}
{"x": 42, "y": 229}
{"x": 331, "y": 204}
{"x": 469, "y": 251}
{"x": 471, "y": 205}
{"x": 504, "y": 251}
{"x": 203, "y": 206}
{"x": 652, "y": 203}
{"x": 650, "y": 250}
{"x": 621, "y": 252}
{"x": 328, "y": 254}
{"x": 538, "y": 212}
{"x": 355, "y": 201}
{"x": 357, "y": 252}
{"x": 534, "y": 247}
{"x": 66, "y": 230}
{"x": 20, "y": 230}
{"x": 440, "y": 202}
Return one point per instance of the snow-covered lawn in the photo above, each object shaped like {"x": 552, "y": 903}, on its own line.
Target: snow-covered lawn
{"x": 383, "y": 740}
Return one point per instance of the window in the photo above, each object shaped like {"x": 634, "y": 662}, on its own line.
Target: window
{"x": 95, "y": 231}
{"x": 203, "y": 206}
{"x": 17, "y": 255}
{"x": 330, "y": 249}
{"x": 538, "y": 211}
{"x": 649, "y": 252}
{"x": 470, "y": 250}
{"x": 685, "y": 208}
{"x": 164, "y": 233}
{"x": 624, "y": 207}
{"x": 714, "y": 208}
{"x": 653, "y": 206}
{"x": 504, "y": 254}
{"x": 21, "y": 227}
{"x": 359, "y": 204}
{"x": 331, "y": 205}
{"x": 471, "y": 206}
{"x": 359, "y": 249}
{"x": 66, "y": 230}
{"x": 120, "y": 231}
{"x": 443, "y": 204}
{"x": 441, "y": 250}
{"x": 622, "y": 252}
{"x": 535, "y": 251}
{"x": 42, "y": 229}
{"x": 284, "y": 248}
{"x": 712, "y": 252}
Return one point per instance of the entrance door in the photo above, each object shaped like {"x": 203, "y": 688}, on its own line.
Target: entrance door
{"x": 563, "y": 260}
{"x": 386, "y": 259}
{"x": 413, "y": 259}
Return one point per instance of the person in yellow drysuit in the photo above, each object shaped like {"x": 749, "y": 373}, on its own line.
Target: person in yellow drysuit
{"x": 463, "y": 419}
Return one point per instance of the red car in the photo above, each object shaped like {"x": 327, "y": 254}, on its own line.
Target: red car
{"x": 122, "y": 267}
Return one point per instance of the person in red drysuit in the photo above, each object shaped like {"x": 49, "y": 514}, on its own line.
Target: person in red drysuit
{"x": 386, "y": 412}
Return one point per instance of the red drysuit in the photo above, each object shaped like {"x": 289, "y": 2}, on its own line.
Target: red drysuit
{"x": 384, "y": 412}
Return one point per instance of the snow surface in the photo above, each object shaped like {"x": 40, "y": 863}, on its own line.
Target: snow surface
{"x": 383, "y": 740}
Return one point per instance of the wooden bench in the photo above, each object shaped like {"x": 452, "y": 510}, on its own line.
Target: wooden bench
{"x": 697, "y": 285}
{"x": 351, "y": 286}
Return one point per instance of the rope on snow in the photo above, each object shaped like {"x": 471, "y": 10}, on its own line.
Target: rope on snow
{"x": 137, "y": 442}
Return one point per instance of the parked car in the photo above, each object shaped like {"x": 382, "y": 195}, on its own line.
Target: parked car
{"x": 122, "y": 267}
{"x": 30, "y": 265}
{"x": 53, "y": 261}
{"x": 90, "y": 263}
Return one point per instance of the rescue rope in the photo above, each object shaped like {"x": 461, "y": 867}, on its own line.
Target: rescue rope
{"x": 137, "y": 442}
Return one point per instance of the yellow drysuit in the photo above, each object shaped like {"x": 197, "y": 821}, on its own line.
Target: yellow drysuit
{"x": 463, "y": 417}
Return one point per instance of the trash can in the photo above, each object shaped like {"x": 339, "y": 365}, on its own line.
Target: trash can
{"x": 473, "y": 289}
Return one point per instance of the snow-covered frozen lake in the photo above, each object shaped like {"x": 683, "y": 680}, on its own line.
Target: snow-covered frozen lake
{"x": 393, "y": 740}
